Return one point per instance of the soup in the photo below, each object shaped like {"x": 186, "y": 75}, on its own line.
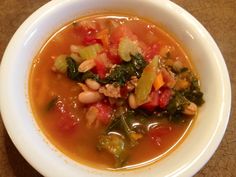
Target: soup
{"x": 113, "y": 91}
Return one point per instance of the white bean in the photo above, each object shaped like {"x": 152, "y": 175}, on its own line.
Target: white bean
{"x": 92, "y": 84}
{"x": 190, "y": 109}
{"x": 88, "y": 97}
{"x": 132, "y": 101}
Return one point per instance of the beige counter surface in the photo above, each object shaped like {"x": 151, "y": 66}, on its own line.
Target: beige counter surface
{"x": 218, "y": 16}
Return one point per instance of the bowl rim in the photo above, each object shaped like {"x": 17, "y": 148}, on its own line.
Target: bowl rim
{"x": 198, "y": 164}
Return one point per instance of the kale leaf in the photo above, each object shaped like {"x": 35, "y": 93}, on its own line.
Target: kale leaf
{"x": 193, "y": 93}
{"x": 116, "y": 123}
{"x": 176, "y": 106}
{"x": 90, "y": 75}
{"x": 122, "y": 73}
{"x": 182, "y": 98}
{"x": 115, "y": 145}
{"x": 72, "y": 69}
{"x": 119, "y": 75}
{"x": 51, "y": 103}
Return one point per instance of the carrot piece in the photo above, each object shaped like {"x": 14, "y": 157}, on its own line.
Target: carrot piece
{"x": 158, "y": 83}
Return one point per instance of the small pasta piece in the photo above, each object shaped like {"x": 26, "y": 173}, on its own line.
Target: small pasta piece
{"x": 86, "y": 65}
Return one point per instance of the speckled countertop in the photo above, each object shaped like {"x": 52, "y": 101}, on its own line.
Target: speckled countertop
{"x": 218, "y": 16}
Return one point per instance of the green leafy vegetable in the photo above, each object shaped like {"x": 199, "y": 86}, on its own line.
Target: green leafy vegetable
{"x": 116, "y": 123}
{"x": 122, "y": 73}
{"x": 142, "y": 113}
{"x": 180, "y": 71}
{"x": 128, "y": 131}
{"x": 90, "y": 75}
{"x": 193, "y": 93}
{"x": 138, "y": 63}
{"x": 196, "y": 97}
{"x": 72, "y": 69}
{"x": 115, "y": 145}
{"x": 184, "y": 69}
{"x": 123, "y": 124}
{"x": 119, "y": 75}
{"x": 176, "y": 106}
{"x": 51, "y": 103}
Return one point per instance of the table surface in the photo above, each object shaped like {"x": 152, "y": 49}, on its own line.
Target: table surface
{"x": 219, "y": 18}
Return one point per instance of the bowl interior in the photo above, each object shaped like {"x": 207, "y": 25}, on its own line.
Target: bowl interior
{"x": 206, "y": 133}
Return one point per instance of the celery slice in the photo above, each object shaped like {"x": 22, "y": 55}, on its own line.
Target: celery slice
{"x": 145, "y": 82}
{"x": 60, "y": 64}
{"x": 89, "y": 52}
{"x": 127, "y": 47}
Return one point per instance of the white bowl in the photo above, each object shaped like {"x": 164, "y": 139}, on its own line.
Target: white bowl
{"x": 186, "y": 160}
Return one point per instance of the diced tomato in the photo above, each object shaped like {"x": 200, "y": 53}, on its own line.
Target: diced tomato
{"x": 87, "y": 34}
{"x": 100, "y": 68}
{"x": 159, "y": 98}
{"x": 121, "y": 31}
{"x": 113, "y": 54}
{"x": 153, "y": 103}
{"x": 151, "y": 52}
{"x": 105, "y": 110}
{"x": 157, "y": 133}
{"x": 91, "y": 39}
{"x": 164, "y": 97}
{"x": 66, "y": 120}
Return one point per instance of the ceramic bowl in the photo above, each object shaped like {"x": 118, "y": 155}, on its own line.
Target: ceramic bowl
{"x": 185, "y": 160}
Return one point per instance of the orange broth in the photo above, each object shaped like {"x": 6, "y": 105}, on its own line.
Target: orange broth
{"x": 80, "y": 143}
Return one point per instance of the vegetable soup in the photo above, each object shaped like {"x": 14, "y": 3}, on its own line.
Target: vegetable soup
{"x": 113, "y": 91}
